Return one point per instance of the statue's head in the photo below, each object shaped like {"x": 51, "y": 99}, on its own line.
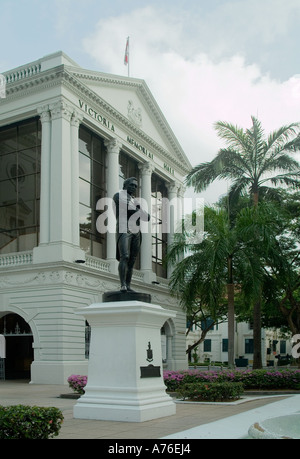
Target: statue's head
{"x": 130, "y": 185}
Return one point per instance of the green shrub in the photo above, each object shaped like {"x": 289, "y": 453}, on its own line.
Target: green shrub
{"x": 29, "y": 422}
{"x": 251, "y": 379}
{"x": 213, "y": 392}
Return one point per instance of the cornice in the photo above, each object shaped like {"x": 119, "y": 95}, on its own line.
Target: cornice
{"x": 71, "y": 78}
{"x": 27, "y": 85}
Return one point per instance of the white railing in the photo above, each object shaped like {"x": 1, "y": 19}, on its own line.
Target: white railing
{"x": 25, "y": 258}
{"x": 21, "y": 73}
{"x": 14, "y": 259}
{"x": 97, "y": 263}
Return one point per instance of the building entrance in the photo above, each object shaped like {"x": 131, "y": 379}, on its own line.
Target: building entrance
{"x": 19, "y": 350}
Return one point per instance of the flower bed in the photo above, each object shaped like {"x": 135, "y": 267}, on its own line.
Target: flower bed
{"x": 77, "y": 383}
{"x": 251, "y": 379}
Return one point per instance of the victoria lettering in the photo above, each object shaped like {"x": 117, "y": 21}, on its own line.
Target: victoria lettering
{"x": 97, "y": 116}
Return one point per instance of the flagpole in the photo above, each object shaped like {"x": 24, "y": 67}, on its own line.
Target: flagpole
{"x": 126, "y": 58}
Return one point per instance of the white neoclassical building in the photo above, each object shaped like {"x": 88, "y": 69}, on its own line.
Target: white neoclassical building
{"x": 69, "y": 137}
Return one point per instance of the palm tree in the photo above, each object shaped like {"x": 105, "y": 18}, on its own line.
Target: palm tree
{"x": 251, "y": 160}
{"x": 203, "y": 279}
{"x": 254, "y": 164}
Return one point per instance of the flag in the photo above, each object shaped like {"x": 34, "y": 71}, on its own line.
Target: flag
{"x": 126, "y": 57}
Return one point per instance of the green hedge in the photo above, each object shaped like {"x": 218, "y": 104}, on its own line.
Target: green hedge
{"x": 29, "y": 422}
{"x": 213, "y": 392}
{"x": 251, "y": 379}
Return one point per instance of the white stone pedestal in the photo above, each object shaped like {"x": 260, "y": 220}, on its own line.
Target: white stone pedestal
{"x": 125, "y": 374}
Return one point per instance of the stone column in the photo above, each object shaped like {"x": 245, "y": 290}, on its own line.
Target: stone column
{"x": 174, "y": 210}
{"x": 181, "y": 191}
{"x": 173, "y": 214}
{"x": 45, "y": 174}
{"x": 112, "y": 179}
{"x": 169, "y": 348}
{"x": 146, "y": 248}
{"x": 57, "y": 234}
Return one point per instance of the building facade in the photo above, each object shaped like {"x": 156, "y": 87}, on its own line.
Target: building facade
{"x": 68, "y": 139}
{"x": 274, "y": 345}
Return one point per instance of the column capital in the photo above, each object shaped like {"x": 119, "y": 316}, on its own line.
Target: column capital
{"x": 181, "y": 190}
{"x": 146, "y": 168}
{"x": 76, "y": 118}
{"x": 113, "y": 145}
{"x": 61, "y": 109}
{"x": 173, "y": 187}
{"x": 44, "y": 113}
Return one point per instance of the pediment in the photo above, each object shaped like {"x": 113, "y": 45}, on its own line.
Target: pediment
{"x": 132, "y": 99}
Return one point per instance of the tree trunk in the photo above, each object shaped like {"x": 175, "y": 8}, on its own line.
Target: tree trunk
{"x": 255, "y": 199}
{"x": 230, "y": 293}
{"x": 201, "y": 339}
{"x": 257, "y": 360}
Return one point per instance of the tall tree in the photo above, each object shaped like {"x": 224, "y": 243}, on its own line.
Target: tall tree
{"x": 254, "y": 164}
{"x": 204, "y": 278}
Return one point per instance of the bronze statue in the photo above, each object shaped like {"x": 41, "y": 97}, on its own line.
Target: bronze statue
{"x": 128, "y": 235}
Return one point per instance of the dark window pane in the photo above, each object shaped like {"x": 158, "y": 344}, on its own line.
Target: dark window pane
{"x": 207, "y": 345}
{"x": 28, "y": 187}
{"x": 27, "y": 161}
{"x": 27, "y": 136}
{"x": 27, "y": 239}
{"x": 98, "y": 175}
{"x": 159, "y": 238}
{"x": 8, "y": 192}
{"x": 7, "y": 240}
{"x": 91, "y": 188}
{"x": 7, "y": 164}
{"x": 85, "y": 142}
{"x": 8, "y": 217}
{"x": 248, "y": 346}
{"x": 97, "y": 193}
{"x": 84, "y": 167}
{"x": 225, "y": 345}
{"x": 84, "y": 192}
{"x": 26, "y": 213}
{"x": 98, "y": 150}
{"x": 8, "y": 140}
{"x": 85, "y": 217}
{"x": 19, "y": 186}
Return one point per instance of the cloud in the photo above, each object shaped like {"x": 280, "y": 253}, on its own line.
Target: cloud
{"x": 194, "y": 90}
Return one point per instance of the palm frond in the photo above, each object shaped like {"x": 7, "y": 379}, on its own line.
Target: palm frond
{"x": 289, "y": 179}
{"x": 237, "y": 189}
{"x": 233, "y": 135}
{"x": 201, "y": 176}
{"x": 227, "y": 164}
{"x": 256, "y": 139}
{"x": 281, "y": 137}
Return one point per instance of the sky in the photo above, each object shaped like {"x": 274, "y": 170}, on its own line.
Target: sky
{"x": 203, "y": 61}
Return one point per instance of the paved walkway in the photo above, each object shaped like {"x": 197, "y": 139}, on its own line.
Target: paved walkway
{"x": 191, "y": 420}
